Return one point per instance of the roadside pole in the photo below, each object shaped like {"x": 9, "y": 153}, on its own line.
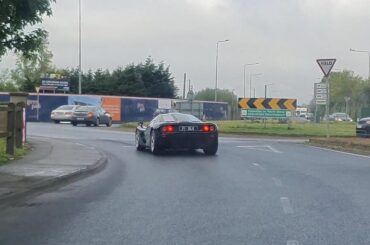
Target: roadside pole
{"x": 326, "y": 65}
{"x": 327, "y": 108}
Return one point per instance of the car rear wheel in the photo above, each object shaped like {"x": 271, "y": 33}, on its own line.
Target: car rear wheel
{"x": 109, "y": 123}
{"x": 56, "y": 121}
{"x": 211, "y": 149}
{"x": 97, "y": 123}
{"x": 138, "y": 146}
{"x": 74, "y": 124}
{"x": 88, "y": 124}
{"x": 154, "y": 148}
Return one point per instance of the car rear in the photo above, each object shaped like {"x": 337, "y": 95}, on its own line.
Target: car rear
{"x": 363, "y": 127}
{"x": 63, "y": 113}
{"x": 84, "y": 115}
{"x": 187, "y": 135}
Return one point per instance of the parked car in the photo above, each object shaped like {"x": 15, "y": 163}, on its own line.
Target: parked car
{"x": 91, "y": 115}
{"x": 177, "y": 131}
{"x": 63, "y": 113}
{"x": 363, "y": 127}
{"x": 341, "y": 117}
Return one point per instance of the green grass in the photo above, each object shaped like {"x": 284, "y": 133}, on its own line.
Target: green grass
{"x": 4, "y": 158}
{"x": 338, "y": 129}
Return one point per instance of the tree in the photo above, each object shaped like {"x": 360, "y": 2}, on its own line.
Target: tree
{"x": 6, "y": 83}
{"x": 32, "y": 68}
{"x": 15, "y": 17}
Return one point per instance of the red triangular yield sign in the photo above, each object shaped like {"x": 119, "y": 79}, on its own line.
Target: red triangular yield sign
{"x": 326, "y": 65}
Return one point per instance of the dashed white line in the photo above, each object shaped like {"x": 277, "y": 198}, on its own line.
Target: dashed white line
{"x": 292, "y": 242}
{"x": 277, "y": 182}
{"x": 127, "y": 146}
{"x": 285, "y": 203}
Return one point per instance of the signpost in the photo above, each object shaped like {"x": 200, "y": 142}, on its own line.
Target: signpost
{"x": 326, "y": 66}
{"x": 321, "y": 93}
{"x": 264, "y": 114}
{"x": 55, "y": 84}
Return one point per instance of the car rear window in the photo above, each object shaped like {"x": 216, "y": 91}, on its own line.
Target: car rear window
{"x": 87, "y": 108}
{"x": 184, "y": 118}
{"x": 65, "y": 107}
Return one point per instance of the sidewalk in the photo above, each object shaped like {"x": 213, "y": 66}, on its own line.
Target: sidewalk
{"x": 50, "y": 162}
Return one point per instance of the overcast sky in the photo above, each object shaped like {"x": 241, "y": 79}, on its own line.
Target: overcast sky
{"x": 285, "y": 37}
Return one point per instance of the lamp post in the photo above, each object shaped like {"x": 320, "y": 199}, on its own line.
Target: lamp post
{"x": 347, "y": 99}
{"x": 250, "y": 82}
{"x": 266, "y": 85}
{"x": 216, "y": 85}
{"x": 362, "y": 51}
{"x": 245, "y": 67}
{"x": 79, "y": 48}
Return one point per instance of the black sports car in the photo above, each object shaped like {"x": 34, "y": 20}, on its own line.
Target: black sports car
{"x": 363, "y": 127}
{"x": 177, "y": 131}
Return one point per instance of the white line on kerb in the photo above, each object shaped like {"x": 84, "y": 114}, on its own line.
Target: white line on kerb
{"x": 277, "y": 181}
{"x": 287, "y": 208}
{"x": 342, "y": 152}
{"x": 292, "y": 242}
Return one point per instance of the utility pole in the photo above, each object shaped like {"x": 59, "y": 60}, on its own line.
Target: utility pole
{"x": 184, "y": 92}
{"x": 216, "y": 82}
{"x": 79, "y": 48}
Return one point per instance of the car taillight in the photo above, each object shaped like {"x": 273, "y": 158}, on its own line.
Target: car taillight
{"x": 208, "y": 128}
{"x": 168, "y": 129}
{"x": 90, "y": 114}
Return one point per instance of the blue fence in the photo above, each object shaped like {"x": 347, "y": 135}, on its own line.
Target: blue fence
{"x": 126, "y": 109}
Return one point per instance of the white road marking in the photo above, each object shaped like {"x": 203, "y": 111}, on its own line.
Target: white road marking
{"x": 86, "y": 146}
{"x": 277, "y": 181}
{"x": 287, "y": 208}
{"x": 342, "y": 152}
{"x": 292, "y": 242}
{"x": 267, "y": 148}
{"x": 258, "y": 165}
{"x": 127, "y": 146}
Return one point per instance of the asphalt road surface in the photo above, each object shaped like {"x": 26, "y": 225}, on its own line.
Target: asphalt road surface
{"x": 253, "y": 192}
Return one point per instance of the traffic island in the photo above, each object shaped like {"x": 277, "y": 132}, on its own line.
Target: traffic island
{"x": 51, "y": 162}
{"x": 350, "y": 144}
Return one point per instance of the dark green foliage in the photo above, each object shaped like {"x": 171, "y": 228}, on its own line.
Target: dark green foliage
{"x": 15, "y": 16}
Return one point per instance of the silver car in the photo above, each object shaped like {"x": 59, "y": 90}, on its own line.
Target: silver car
{"x": 63, "y": 113}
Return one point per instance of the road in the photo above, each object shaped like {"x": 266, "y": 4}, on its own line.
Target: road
{"x": 253, "y": 192}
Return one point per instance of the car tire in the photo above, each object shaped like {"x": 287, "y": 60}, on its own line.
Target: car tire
{"x": 97, "y": 123}
{"x": 88, "y": 124}
{"x": 154, "y": 148}
{"x": 74, "y": 124}
{"x": 110, "y": 122}
{"x": 211, "y": 150}
{"x": 56, "y": 121}
{"x": 138, "y": 146}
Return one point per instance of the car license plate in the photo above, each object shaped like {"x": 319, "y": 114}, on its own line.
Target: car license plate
{"x": 80, "y": 118}
{"x": 187, "y": 128}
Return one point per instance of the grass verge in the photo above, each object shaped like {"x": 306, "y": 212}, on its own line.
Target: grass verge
{"x": 19, "y": 153}
{"x": 243, "y": 127}
{"x": 353, "y": 145}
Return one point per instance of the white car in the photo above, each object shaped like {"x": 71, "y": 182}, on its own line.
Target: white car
{"x": 63, "y": 113}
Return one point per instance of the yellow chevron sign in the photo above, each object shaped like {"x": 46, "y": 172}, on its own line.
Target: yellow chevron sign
{"x": 268, "y": 103}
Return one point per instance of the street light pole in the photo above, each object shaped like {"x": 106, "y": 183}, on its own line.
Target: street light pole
{"x": 245, "y": 67}
{"x": 79, "y": 48}
{"x": 216, "y": 82}
{"x": 363, "y": 51}
{"x": 250, "y": 82}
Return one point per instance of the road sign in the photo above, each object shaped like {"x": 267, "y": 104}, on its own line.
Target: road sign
{"x": 274, "y": 114}
{"x": 321, "y": 93}
{"x": 267, "y": 103}
{"x": 326, "y": 65}
{"x": 56, "y": 84}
